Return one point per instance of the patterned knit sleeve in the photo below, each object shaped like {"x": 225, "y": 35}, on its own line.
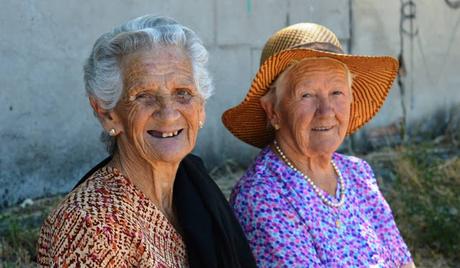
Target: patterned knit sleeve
{"x": 275, "y": 232}
{"x": 383, "y": 221}
{"x": 73, "y": 238}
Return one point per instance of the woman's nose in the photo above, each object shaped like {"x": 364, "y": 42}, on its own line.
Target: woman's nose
{"x": 167, "y": 110}
{"x": 324, "y": 107}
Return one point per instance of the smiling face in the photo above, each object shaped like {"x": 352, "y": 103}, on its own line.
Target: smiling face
{"x": 160, "y": 109}
{"x": 312, "y": 106}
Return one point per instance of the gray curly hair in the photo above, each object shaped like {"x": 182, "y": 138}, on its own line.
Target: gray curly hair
{"x": 102, "y": 74}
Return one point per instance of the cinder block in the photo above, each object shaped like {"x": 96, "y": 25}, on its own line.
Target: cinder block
{"x": 231, "y": 68}
{"x": 88, "y": 21}
{"x": 249, "y": 22}
{"x": 373, "y": 32}
{"x": 333, "y": 14}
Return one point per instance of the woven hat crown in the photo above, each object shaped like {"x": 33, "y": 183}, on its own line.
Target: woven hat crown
{"x": 296, "y": 35}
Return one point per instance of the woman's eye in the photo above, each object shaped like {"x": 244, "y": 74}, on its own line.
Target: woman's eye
{"x": 142, "y": 96}
{"x": 337, "y": 92}
{"x": 145, "y": 96}
{"x": 183, "y": 92}
{"x": 306, "y": 95}
{"x": 183, "y": 95}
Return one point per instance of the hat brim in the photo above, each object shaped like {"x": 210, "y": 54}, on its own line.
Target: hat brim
{"x": 373, "y": 77}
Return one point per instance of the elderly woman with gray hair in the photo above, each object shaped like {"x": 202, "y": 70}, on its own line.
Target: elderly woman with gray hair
{"x": 151, "y": 203}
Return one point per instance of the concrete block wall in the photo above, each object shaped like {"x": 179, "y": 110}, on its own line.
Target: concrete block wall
{"x": 431, "y": 59}
{"x": 49, "y": 137}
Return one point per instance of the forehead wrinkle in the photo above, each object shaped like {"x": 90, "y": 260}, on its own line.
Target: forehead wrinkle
{"x": 139, "y": 80}
{"x": 157, "y": 62}
{"x": 155, "y": 87}
{"x": 155, "y": 69}
{"x": 158, "y": 71}
{"x": 340, "y": 78}
{"x": 305, "y": 73}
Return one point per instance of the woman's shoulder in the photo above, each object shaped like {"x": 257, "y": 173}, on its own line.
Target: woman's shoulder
{"x": 91, "y": 215}
{"x": 106, "y": 189}
{"x": 353, "y": 163}
{"x": 348, "y": 160}
{"x": 96, "y": 200}
{"x": 356, "y": 171}
{"x": 260, "y": 176}
{"x": 91, "y": 200}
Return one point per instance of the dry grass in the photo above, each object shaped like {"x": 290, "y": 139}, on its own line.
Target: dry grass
{"x": 226, "y": 175}
{"x": 19, "y": 227}
{"x": 421, "y": 183}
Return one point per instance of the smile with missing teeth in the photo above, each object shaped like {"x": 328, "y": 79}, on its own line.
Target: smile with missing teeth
{"x": 322, "y": 128}
{"x": 159, "y": 134}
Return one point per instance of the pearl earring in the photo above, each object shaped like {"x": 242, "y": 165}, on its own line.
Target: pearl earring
{"x": 200, "y": 124}
{"x": 276, "y": 126}
{"x": 112, "y": 132}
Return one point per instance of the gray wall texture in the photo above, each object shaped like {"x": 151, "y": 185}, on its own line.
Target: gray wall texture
{"x": 49, "y": 137}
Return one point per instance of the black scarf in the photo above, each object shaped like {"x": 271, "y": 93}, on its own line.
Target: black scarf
{"x": 211, "y": 232}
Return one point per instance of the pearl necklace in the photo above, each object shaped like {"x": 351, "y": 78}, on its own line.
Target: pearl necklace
{"x": 313, "y": 185}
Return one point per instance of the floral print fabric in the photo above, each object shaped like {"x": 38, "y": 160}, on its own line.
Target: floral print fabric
{"x": 288, "y": 225}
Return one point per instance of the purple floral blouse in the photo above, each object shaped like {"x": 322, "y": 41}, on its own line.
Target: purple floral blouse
{"x": 288, "y": 225}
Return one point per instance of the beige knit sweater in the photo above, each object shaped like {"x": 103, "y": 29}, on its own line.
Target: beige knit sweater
{"x": 108, "y": 222}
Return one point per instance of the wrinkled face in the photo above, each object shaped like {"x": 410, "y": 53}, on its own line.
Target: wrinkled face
{"x": 161, "y": 108}
{"x": 312, "y": 106}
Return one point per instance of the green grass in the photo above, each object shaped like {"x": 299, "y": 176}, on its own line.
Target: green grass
{"x": 19, "y": 228}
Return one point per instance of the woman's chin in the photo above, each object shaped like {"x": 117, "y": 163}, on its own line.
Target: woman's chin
{"x": 325, "y": 145}
{"x": 170, "y": 156}
{"x": 323, "y": 148}
{"x": 172, "y": 149}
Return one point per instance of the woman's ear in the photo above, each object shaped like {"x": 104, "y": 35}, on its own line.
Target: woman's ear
{"x": 108, "y": 118}
{"x": 268, "y": 104}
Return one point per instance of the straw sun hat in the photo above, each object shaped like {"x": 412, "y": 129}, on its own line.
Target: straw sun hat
{"x": 373, "y": 77}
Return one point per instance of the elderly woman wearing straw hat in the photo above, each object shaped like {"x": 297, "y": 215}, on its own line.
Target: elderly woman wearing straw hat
{"x": 300, "y": 203}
